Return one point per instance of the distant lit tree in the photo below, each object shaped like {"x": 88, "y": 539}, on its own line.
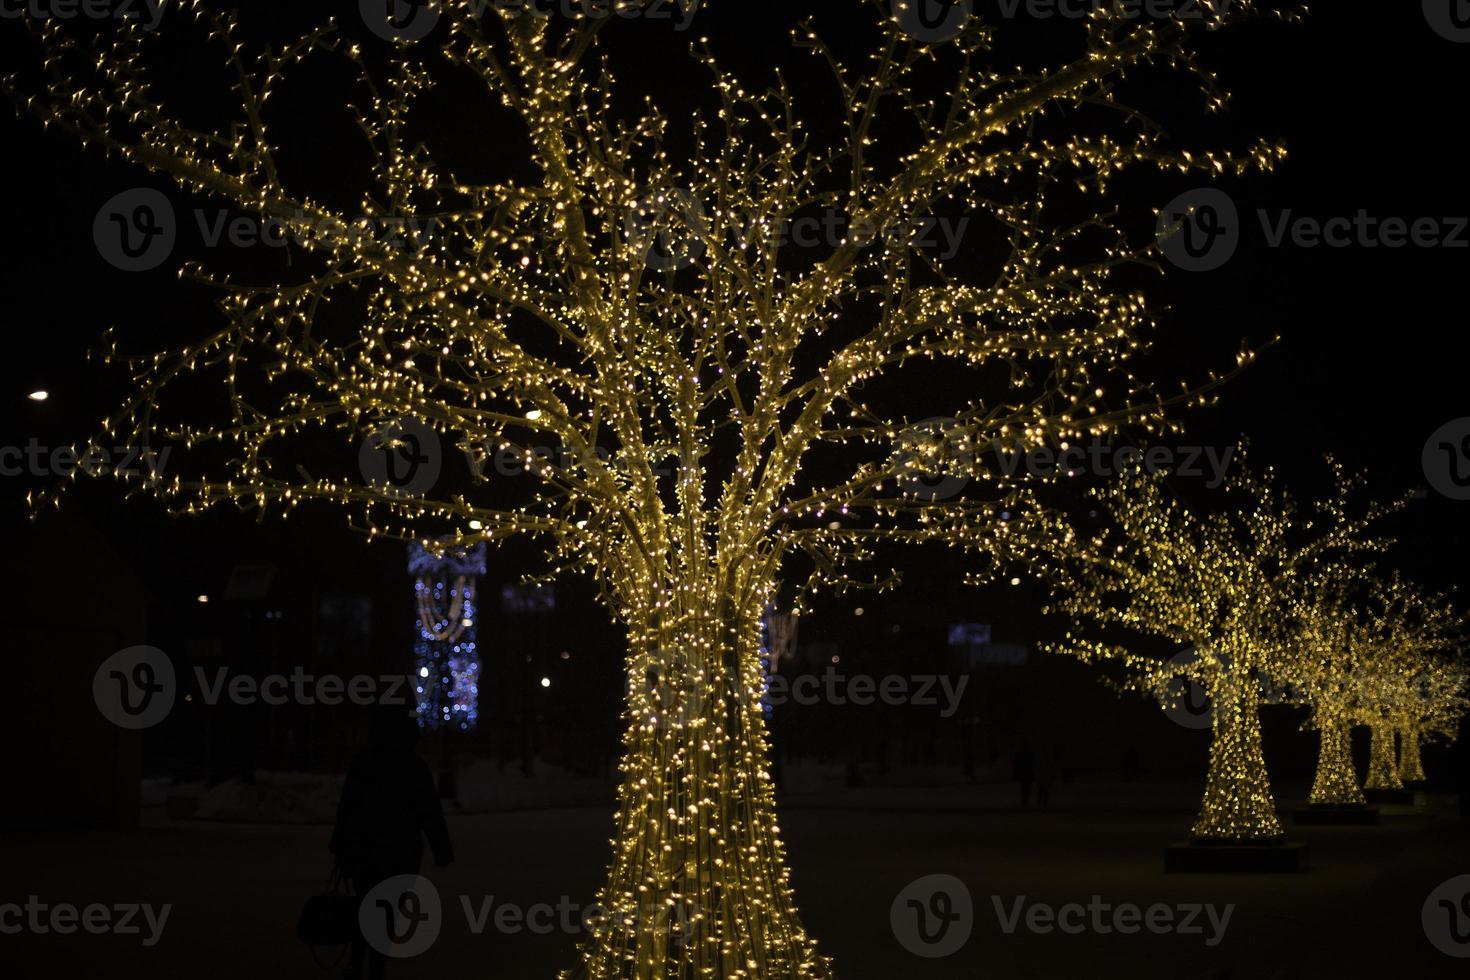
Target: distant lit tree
{"x": 1219, "y": 582}
{"x": 697, "y": 399}
{"x": 1344, "y": 619}
{"x": 1414, "y": 688}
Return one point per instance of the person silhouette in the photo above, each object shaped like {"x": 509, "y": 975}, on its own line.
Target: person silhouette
{"x": 1046, "y": 774}
{"x": 388, "y": 806}
{"x": 1023, "y": 765}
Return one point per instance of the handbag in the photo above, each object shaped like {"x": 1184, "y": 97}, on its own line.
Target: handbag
{"x": 329, "y": 919}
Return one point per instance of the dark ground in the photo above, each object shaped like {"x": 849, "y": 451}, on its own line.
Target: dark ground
{"x": 237, "y": 889}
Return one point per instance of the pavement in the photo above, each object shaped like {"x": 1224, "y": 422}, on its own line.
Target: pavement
{"x": 1030, "y": 893}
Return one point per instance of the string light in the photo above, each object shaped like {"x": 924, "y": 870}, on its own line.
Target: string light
{"x": 1374, "y": 649}
{"x": 1225, "y": 583}
{"x": 633, "y": 304}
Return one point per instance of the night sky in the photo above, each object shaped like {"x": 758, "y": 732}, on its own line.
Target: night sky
{"x": 1373, "y": 343}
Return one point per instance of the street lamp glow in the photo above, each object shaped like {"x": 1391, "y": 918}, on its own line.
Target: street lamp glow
{"x": 39, "y": 395}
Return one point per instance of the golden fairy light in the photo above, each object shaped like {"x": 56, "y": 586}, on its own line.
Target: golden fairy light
{"x": 622, "y": 313}
{"x": 1221, "y": 585}
{"x": 1413, "y": 687}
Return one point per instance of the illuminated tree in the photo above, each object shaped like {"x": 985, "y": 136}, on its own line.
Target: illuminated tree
{"x": 1220, "y": 584}
{"x": 701, "y": 402}
{"x": 1433, "y": 714}
{"x": 1346, "y": 619}
{"x": 1333, "y": 643}
{"x": 1414, "y": 688}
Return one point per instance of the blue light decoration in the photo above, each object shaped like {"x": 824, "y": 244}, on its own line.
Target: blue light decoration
{"x": 778, "y": 642}
{"x": 446, "y": 656}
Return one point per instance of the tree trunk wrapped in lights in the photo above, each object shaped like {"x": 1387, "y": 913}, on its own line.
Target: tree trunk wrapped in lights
{"x": 1428, "y": 704}
{"x": 1411, "y": 761}
{"x": 696, "y": 401}
{"x": 1224, "y": 585}
{"x": 1436, "y": 700}
{"x": 1383, "y": 763}
{"x": 1414, "y": 686}
{"x": 1346, "y": 619}
{"x": 1336, "y": 780}
{"x": 1237, "y": 804}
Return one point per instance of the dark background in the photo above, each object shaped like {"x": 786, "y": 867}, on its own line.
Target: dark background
{"x": 1371, "y": 361}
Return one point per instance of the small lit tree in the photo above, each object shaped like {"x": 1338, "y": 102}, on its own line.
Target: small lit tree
{"x": 1437, "y": 704}
{"x": 1332, "y": 645}
{"x": 1414, "y": 687}
{"x": 1347, "y": 621}
{"x": 1220, "y": 583}
{"x": 699, "y": 400}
